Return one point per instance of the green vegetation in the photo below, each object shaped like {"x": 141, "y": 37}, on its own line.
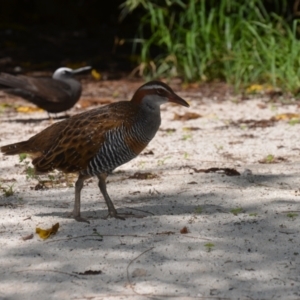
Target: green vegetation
{"x": 292, "y": 215}
{"x": 294, "y": 121}
{"x": 253, "y": 215}
{"x": 161, "y": 162}
{"x": 241, "y": 42}
{"x": 209, "y": 246}
{"x": 269, "y": 159}
{"x": 236, "y": 211}
{"x": 30, "y": 173}
{"x": 219, "y": 147}
{"x": 97, "y": 233}
{"x": 198, "y": 210}
{"x": 53, "y": 179}
{"x": 22, "y": 156}
{"x": 186, "y": 137}
{"x": 8, "y": 190}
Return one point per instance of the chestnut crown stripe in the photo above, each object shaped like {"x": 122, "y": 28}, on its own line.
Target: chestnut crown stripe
{"x": 154, "y": 86}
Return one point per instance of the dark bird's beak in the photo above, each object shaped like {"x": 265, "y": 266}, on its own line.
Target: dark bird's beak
{"x": 81, "y": 70}
{"x": 176, "y": 99}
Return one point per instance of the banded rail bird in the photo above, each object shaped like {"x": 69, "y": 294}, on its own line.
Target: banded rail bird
{"x": 97, "y": 141}
{"x": 56, "y": 94}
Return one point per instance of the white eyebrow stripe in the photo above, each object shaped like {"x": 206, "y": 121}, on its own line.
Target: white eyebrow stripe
{"x": 147, "y": 87}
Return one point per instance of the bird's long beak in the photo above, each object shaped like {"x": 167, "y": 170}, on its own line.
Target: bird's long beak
{"x": 176, "y": 99}
{"x": 81, "y": 70}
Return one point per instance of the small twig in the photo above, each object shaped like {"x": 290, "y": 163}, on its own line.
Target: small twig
{"x": 272, "y": 187}
{"x": 97, "y": 237}
{"x": 43, "y": 270}
{"x": 194, "y": 237}
{"x": 158, "y": 296}
{"x": 10, "y": 204}
{"x": 144, "y": 211}
{"x": 181, "y": 236}
{"x": 127, "y": 271}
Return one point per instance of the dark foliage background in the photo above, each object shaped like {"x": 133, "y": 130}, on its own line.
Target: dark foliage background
{"x": 43, "y": 34}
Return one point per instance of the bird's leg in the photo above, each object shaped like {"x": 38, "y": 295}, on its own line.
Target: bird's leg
{"x": 66, "y": 115}
{"x": 78, "y": 188}
{"x": 50, "y": 118}
{"x": 112, "y": 212}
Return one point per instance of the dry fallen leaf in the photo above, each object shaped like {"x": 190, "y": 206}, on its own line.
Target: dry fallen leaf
{"x": 260, "y": 88}
{"x": 184, "y": 230}
{"x": 186, "y": 116}
{"x": 191, "y": 128}
{"x": 165, "y": 233}
{"x": 254, "y": 123}
{"x": 261, "y": 105}
{"x": 45, "y": 233}
{"x": 168, "y": 130}
{"x": 148, "y": 153}
{"x": 96, "y": 75}
{"x": 287, "y": 116}
{"x": 271, "y": 159}
{"x": 226, "y": 171}
{"x": 254, "y": 88}
{"x": 27, "y": 237}
{"x": 89, "y": 272}
{"x": 143, "y": 176}
{"x": 28, "y": 109}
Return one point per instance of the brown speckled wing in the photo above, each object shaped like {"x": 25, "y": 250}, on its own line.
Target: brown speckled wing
{"x": 70, "y": 145}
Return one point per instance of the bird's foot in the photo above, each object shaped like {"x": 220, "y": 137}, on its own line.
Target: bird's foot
{"x": 115, "y": 214}
{"x": 80, "y": 219}
{"x": 77, "y": 217}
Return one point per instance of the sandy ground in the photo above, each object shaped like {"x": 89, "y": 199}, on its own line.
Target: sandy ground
{"x": 241, "y": 239}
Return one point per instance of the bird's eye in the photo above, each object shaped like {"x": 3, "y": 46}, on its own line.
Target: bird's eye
{"x": 159, "y": 92}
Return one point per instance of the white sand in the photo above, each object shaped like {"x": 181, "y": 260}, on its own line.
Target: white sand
{"x": 254, "y": 255}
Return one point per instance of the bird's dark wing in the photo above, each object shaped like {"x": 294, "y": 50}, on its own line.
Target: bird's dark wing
{"x": 36, "y": 90}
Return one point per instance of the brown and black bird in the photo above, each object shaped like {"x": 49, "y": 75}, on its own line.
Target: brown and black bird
{"x": 96, "y": 142}
{"x": 56, "y": 94}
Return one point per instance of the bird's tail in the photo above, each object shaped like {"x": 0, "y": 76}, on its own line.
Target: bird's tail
{"x": 8, "y": 80}
{"x": 13, "y": 149}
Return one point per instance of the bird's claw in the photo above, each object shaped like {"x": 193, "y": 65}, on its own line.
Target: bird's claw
{"x": 78, "y": 218}
{"x": 116, "y": 215}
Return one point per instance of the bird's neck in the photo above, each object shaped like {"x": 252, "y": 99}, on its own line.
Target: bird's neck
{"x": 147, "y": 122}
{"x": 75, "y": 87}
